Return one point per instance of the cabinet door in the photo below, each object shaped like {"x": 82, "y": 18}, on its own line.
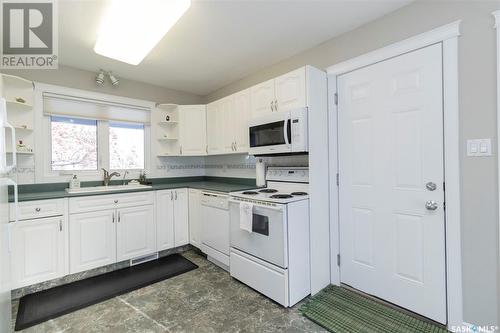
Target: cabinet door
{"x": 195, "y": 217}
{"x": 241, "y": 112}
{"x": 135, "y": 233}
{"x": 215, "y": 128}
{"x": 164, "y": 220}
{"x": 291, "y": 90}
{"x": 193, "y": 130}
{"x": 92, "y": 239}
{"x": 38, "y": 250}
{"x": 181, "y": 217}
{"x": 261, "y": 97}
{"x": 228, "y": 124}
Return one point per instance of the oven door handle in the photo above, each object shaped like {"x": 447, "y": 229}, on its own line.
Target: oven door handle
{"x": 276, "y": 208}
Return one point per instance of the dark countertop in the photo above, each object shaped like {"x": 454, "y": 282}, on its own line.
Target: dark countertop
{"x": 57, "y": 190}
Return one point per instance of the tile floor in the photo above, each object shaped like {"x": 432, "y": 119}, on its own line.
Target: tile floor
{"x": 204, "y": 300}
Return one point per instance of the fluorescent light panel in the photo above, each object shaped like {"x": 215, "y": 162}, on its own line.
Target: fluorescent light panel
{"x": 131, "y": 28}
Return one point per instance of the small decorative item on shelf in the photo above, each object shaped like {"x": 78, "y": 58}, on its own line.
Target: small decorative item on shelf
{"x": 23, "y": 148}
{"x": 20, "y": 100}
{"x": 167, "y": 118}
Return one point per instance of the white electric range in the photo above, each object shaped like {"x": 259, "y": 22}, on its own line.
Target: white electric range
{"x": 274, "y": 257}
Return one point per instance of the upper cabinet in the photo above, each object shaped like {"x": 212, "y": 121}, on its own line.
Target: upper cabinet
{"x": 283, "y": 93}
{"x": 291, "y": 90}
{"x": 180, "y": 130}
{"x": 262, "y": 98}
{"x": 193, "y": 130}
{"x": 221, "y": 127}
{"x": 227, "y": 124}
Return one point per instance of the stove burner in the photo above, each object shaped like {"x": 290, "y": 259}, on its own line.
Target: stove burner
{"x": 268, "y": 190}
{"x": 281, "y": 196}
{"x": 299, "y": 193}
{"x": 250, "y": 192}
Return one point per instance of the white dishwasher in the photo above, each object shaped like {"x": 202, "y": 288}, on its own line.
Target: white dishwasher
{"x": 215, "y": 228}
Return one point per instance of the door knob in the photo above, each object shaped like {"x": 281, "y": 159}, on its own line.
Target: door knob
{"x": 431, "y": 186}
{"x": 431, "y": 205}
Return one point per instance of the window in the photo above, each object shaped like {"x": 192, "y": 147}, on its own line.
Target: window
{"x": 74, "y": 143}
{"x": 126, "y": 146}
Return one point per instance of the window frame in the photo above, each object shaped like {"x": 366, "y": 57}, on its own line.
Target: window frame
{"x": 145, "y": 147}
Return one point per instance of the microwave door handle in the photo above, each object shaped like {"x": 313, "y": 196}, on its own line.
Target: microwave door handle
{"x": 285, "y": 132}
{"x": 11, "y": 167}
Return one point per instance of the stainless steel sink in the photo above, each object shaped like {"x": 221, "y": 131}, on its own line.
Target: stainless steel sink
{"x": 110, "y": 188}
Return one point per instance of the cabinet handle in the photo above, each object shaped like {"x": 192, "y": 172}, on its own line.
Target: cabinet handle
{"x": 275, "y": 105}
{"x": 119, "y": 217}
{"x": 171, "y": 195}
{"x": 206, "y": 148}
{"x": 38, "y": 209}
{"x": 60, "y": 225}
{"x": 175, "y": 195}
{"x": 272, "y": 106}
{"x": 235, "y": 146}
{"x": 180, "y": 150}
{"x": 113, "y": 220}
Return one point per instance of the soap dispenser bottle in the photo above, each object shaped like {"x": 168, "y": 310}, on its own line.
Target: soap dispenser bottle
{"x": 75, "y": 182}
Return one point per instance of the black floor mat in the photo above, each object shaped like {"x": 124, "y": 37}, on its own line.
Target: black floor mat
{"x": 51, "y": 303}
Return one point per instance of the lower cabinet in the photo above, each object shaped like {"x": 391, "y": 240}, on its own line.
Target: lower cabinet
{"x": 195, "y": 217}
{"x": 38, "y": 250}
{"x": 135, "y": 232}
{"x": 92, "y": 240}
{"x": 172, "y": 218}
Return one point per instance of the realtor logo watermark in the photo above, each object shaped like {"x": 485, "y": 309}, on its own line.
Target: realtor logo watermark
{"x": 29, "y": 35}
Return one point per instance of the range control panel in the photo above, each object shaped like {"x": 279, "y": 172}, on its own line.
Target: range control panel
{"x": 288, "y": 174}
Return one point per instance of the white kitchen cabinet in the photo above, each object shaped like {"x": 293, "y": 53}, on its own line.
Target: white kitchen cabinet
{"x": 193, "y": 130}
{"x": 286, "y": 92}
{"x": 195, "y": 217}
{"x": 172, "y": 218}
{"x": 164, "y": 220}
{"x": 228, "y": 124}
{"x": 262, "y": 98}
{"x": 38, "y": 250}
{"x": 215, "y": 128}
{"x": 181, "y": 217}
{"x": 240, "y": 119}
{"x": 290, "y": 90}
{"x": 92, "y": 240}
{"x": 135, "y": 232}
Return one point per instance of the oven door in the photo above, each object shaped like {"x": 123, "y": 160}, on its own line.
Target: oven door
{"x": 271, "y": 134}
{"x": 268, "y": 240}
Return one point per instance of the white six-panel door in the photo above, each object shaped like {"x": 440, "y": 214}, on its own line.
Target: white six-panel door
{"x": 390, "y": 148}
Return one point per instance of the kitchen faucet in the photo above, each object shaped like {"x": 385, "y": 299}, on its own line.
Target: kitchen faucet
{"x": 107, "y": 176}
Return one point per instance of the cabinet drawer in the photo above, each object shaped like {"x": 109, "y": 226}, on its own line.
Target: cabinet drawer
{"x": 37, "y": 209}
{"x": 109, "y": 201}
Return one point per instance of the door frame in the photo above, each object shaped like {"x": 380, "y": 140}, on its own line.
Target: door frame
{"x": 446, "y": 35}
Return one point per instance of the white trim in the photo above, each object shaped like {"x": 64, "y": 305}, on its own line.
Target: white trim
{"x": 437, "y": 35}
{"x": 496, "y": 14}
{"x": 448, "y": 36}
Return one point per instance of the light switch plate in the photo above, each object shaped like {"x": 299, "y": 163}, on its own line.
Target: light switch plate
{"x": 479, "y": 147}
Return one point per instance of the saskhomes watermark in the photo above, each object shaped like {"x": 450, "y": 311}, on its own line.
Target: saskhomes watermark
{"x": 29, "y": 34}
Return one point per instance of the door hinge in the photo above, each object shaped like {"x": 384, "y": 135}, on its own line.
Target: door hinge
{"x": 336, "y": 98}
{"x": 444, "y": 205}
{"x": 338, "y": 259}
{"x": 444, "y": 186}
{"x": 338, "y": 181}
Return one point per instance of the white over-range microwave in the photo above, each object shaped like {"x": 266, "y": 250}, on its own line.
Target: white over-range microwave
{"x": 282, "y": 132}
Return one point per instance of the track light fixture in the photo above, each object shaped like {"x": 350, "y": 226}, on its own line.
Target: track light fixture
{"x": 114, "y": 81}
{"x": 100, "y": 78}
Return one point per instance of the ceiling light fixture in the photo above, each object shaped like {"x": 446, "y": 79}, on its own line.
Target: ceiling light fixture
{"x": 99, "y": 79}
{"x": 130, "y": 29}
{"x": 114, "y": 81}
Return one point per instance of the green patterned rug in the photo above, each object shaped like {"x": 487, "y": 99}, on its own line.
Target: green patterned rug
{"x": 340, "y": 310}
